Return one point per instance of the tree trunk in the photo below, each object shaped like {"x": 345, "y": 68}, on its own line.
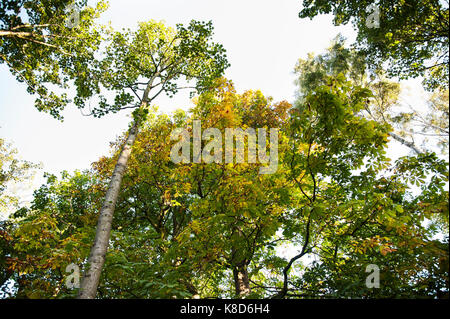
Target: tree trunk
{"x": 96, "y": 259}
{"x": 241, "y": 281}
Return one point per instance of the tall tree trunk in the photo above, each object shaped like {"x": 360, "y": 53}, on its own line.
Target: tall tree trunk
{"x": 91, "y": 278}
{"x": 96, "y": 260}
{"x": 239, "y": 262}
{"x": 241, "y": 281}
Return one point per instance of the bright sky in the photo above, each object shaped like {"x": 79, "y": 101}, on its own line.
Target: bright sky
{"x": 263, "y": 39}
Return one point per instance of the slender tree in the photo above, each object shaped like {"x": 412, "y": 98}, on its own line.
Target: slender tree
{"x": 151, "y": 60}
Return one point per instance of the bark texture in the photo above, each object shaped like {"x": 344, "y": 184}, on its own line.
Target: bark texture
{"x": 91, "y": 278}
{"x": 241, "y": 281}
{"x": 96, "y": 260}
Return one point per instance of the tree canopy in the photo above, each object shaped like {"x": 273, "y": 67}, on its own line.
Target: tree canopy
{"x": 43, "y": 49}
{"x": 412, "y": 36}
{"x": 216, "y": 230}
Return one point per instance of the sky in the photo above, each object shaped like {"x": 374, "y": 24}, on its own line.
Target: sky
{"x": 263, "y": 39}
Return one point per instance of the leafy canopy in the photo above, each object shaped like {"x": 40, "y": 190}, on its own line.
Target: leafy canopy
{"x": 412, "y": 35}
{"x": 42, "y": 50}
{"x": 185, "y": 230}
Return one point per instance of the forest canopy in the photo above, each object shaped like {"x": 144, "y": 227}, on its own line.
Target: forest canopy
{"x": 338, "y": 218}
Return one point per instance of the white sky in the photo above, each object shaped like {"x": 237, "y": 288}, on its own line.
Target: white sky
{"x": 263, "y": 40}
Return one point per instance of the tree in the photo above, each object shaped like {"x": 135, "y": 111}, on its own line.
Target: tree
{"x": 55, "y": 231}
{"x": 193, "y": 214}
{"x": 385, "y": 106}
{"x": 433, "y": 124}
{"x": 150, "y": 60}
{"x": 237, "y": 209}
{"x": 412, "y": 36}
{"x": 12, "y": 171}
{"x": 43, "y": 48}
